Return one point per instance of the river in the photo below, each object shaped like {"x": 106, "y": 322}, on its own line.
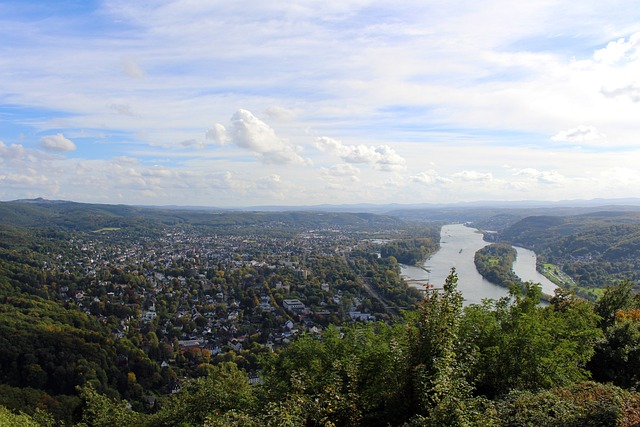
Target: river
{"x": 525, "y": 268}
{"x": 458, "y": 245}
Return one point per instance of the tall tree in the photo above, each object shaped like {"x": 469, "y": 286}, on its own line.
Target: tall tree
{"x": 613, "y": 299}
{"x": 438, "y": 388}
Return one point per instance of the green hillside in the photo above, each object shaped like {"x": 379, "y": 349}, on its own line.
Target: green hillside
{"x": 595, "y": 249}
{"x": 71, "y": 216}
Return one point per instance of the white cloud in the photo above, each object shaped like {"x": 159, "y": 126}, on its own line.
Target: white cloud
{"x": 159, "y": 172}
{"x": 472, "y": 176}
{"x": 271, "y": 182}
{"x": 381, "y": 157}
{"x": 578, "y": 134}
{"x": 620, "y": 49}
{"x": 250, "y": 133}
{"x": 341, "y": 176}
{"x": 224, "y": 181}
{"x": 13, "y": 151}
{"x": 218, "y": 133}
{"x": 430, "y": 177}
{"x": 57, "y": 143}
{"x": 24, "y": 180}
{"x": 543, "y": 177}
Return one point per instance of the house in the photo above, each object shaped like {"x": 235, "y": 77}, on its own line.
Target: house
{"x": 356, "y": 315}
{"x": 185, "y": 344}
{"x": 293, "y": 305}
{"x": 289, "y": 325}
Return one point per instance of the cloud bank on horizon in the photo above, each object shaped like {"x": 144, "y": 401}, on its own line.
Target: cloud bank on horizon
{"x": 242, "y": 104}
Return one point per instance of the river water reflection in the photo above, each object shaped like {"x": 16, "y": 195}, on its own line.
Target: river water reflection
{"x": 458, "y": 245}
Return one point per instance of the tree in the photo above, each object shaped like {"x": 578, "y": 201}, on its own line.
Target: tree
{"x": 519, "y": 345}
{"x": 613, "y": 299}
{"x": 436, "y": 376}
{"x": 101, "y": 411}
{"x": 225, "y": 388}
{"x": 40, "y": 418}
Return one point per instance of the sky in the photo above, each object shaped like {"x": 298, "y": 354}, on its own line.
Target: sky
{"x": 254, "y": 103}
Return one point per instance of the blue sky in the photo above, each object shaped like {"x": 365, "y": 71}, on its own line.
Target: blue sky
{"x": 250, "y": 103}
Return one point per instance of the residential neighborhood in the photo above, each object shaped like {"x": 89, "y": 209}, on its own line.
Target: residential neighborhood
{"x": 193, "y": 295}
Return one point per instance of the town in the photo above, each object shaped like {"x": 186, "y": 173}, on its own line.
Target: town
{"x": 193, "y": 296}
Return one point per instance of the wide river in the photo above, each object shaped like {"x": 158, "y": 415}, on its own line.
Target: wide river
{"x": 458, "y": 245}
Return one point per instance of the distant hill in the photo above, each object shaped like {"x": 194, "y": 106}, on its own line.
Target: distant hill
{"x": 87, "y": 217}
{"x": 488, "y": 216}
{"x": 535, "y": 231}
{"x": 628, "y": 203}
{"x": 594, "y": 249}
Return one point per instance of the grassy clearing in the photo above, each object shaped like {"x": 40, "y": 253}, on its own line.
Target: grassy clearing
{"x": 102, "y": 230}
{"x": 557, "y": 276}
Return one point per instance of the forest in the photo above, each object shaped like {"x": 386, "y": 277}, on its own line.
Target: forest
{"x": 411, "y": 251}
{"x": 594, "y": 249}
{"x": 495, "y": 263}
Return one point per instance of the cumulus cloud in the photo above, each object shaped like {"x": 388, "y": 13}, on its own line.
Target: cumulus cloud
{"x": 224, "y": 181}
{"x": 57, "y": 143}
{"x": 618, "y": 50}
{"x": 578, "y": 134}
{"x": 250, "y": 133}
{"x": 381, "y": 157}
{"x": 430, "y": 177}
{"x": 218, "y": 134}
{"x": 543, "y": 177}
{"x": 24, "y": 180}
{"x": 13, "y": 151}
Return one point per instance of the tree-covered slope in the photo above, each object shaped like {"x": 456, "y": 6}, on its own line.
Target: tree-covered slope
{"x": 594, "y": 249}
{"x": 87, "y": 217}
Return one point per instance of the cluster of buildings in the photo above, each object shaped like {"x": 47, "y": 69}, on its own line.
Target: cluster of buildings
{"x": 215, "y": 292}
